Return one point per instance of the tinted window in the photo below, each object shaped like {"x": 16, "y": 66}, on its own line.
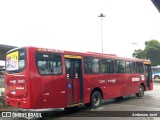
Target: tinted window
{"x": 91, "y": 65}
{"x": 130, "y": 67}
{"x": 48, "y": 63}
{"x": 107, "y": 66}
{"x": 119, "y": 66}
{"x": 139, "y": 67}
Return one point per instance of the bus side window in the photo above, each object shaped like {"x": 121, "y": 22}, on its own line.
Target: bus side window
{"x": 128, "y": 67}
{"x": 95, "y": 65}
{"x": 132, "y": 65}
{"x": 87, "y": 65}
{"x": 139, "y": 67}
{"x": 91, "y": 65}
{"x": 106, "y": 66}
{"x": 42, "y": 67}
{"x": 48, "y": 64}
{"x": 55, "y": 64}
{"x": 42, "y": 63}
{"x": 120, "y": 66}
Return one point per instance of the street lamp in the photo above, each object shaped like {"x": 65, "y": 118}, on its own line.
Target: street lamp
{"x": 101, "y": 16}
{"x": 134, "y": 43}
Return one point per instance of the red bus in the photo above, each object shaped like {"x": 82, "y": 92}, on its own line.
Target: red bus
{"x": 38, "y": 78}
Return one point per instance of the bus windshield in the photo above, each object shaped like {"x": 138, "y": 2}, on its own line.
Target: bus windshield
{"x": 15, "y": 61}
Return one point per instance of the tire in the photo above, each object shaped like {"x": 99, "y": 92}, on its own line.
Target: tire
{"x": 96, "y": 99}
{"x": 141, "y": 91}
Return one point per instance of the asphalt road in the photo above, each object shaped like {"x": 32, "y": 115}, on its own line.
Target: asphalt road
{"x": 127, "y": 106}
{"x": 132, "y": 104}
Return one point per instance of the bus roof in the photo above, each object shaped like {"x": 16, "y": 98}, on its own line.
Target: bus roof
{"x": 91, "y": 54}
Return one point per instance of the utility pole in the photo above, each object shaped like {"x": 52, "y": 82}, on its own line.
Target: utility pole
{"x": 101, "y": 16}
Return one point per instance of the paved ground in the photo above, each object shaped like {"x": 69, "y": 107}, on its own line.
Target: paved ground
{"x": 1, "y": 79}
{"x": 150, "y": 102}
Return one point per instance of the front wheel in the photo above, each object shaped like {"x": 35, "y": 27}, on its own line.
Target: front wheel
{"x": 141, "y": 91}
{"x": 96, "y": 99}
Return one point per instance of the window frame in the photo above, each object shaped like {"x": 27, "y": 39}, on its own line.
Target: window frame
{"x": 119, "y": 62}
{"x": 25, "y": 62}
{"x": 131, "y": 67}
{"x": 108, "y": 64}
{"x": 128, "y": 67}
{"x": 88, "y": 57}
{"x": 138, "y": 71}
{"x": 49, "y": 59}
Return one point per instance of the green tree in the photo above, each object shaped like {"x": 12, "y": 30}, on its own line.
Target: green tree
{"x": 138, "y": 54}
{"x": 151, "y": 51}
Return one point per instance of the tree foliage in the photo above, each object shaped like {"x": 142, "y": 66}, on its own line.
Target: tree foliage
{"x": 151, "y": 51}
{"x": 138, "y": 54}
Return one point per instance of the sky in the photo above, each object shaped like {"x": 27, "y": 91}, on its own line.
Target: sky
{"x": 74, "y": 24}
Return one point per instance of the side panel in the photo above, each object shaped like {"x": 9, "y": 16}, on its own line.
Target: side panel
{"x": 136, "y": 80}
{"x": 47, "y": 91}
{"x": 115, "y": 85}
{"x": 111, "y": 85}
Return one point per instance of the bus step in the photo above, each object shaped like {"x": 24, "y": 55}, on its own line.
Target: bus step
{"x": 74, "y": 105}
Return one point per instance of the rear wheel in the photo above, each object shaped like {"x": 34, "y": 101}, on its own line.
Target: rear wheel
{"x": 141, "y": 91}
{"x": 96, "y": 99}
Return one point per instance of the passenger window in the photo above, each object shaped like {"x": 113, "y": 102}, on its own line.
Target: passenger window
{"x": 55, "y": 64}
{"x": 49, "y": 64}
{"x": 120, "y": 66}
{"x": 43, "y": 64}
{"x": 132, "y": 65}
{"x": 95, "y": 65}
{"x": 106, "y": 66}
{"x": 139, "y": 67}
{"x": 91, "y": 65}
{"x": 128, "y": 68}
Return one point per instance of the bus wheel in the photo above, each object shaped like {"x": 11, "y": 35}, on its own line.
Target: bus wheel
{"x": 141, "y": 91}
{"x": 96, "y": 99}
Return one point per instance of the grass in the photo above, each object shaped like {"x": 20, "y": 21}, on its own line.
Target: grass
{"x": 2, "y": 103}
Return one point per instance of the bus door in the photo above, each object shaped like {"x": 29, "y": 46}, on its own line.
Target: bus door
{"x": 74, "y": 80}
{"x": 148, "y": 75}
